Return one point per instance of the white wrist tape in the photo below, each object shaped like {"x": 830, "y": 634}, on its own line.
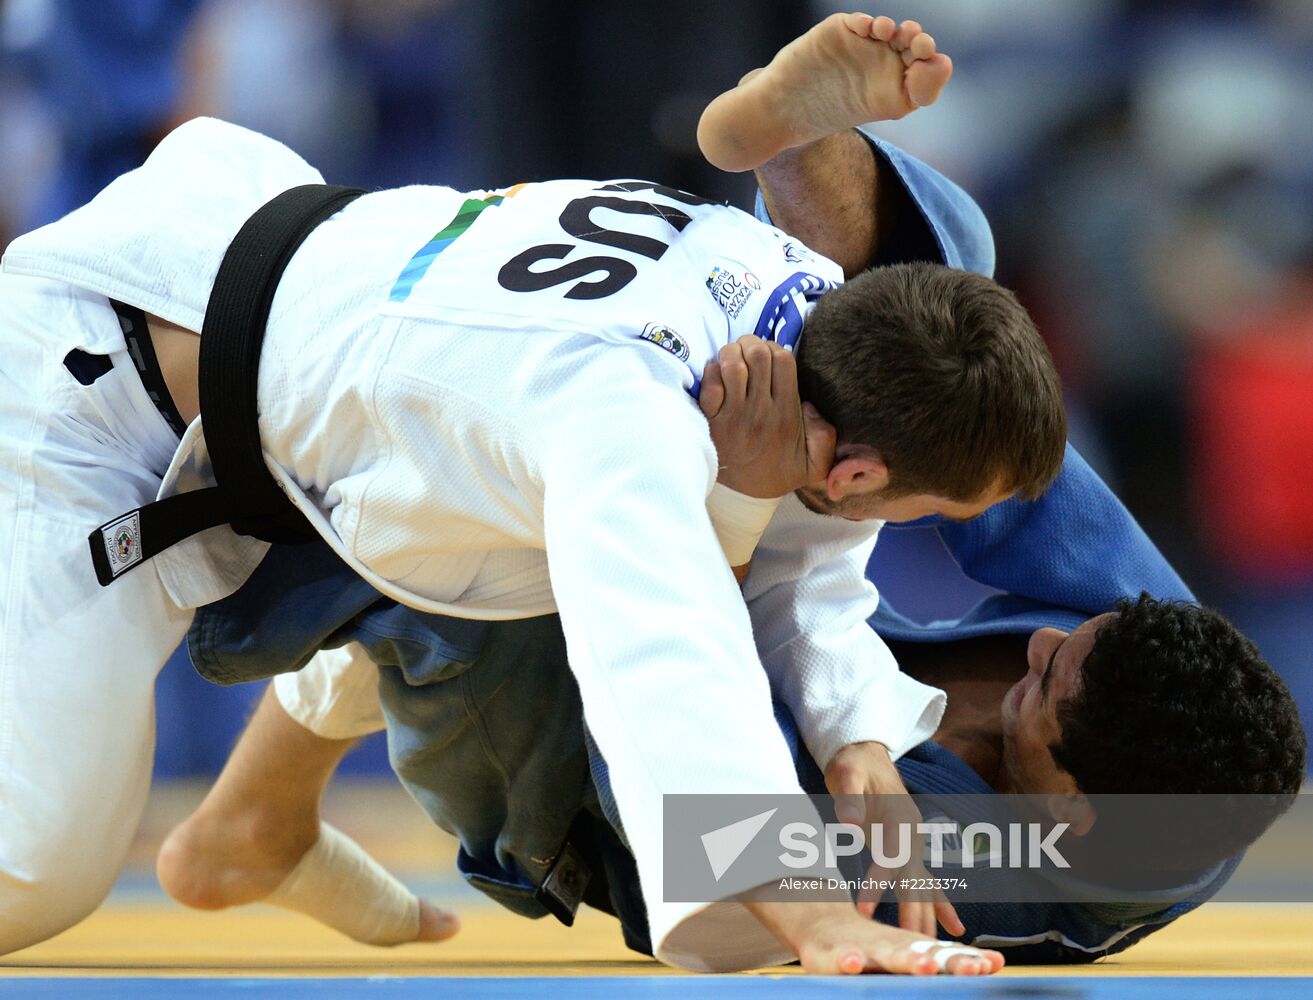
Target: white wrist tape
{"x": 739, "y": 521}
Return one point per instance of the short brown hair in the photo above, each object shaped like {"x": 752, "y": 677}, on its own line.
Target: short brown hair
{"x": 941, "y": 371}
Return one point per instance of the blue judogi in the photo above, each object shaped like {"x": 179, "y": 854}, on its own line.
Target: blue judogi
{"x": 484, "y": 722}
{"x": 485, "y": 727}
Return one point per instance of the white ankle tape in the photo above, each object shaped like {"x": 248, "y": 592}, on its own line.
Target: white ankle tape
{"x": 941, "y": 952}
{"x": 340, "y": 885}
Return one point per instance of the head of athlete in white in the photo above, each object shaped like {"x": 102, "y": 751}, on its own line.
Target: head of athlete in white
{"x": 941, "y": 392}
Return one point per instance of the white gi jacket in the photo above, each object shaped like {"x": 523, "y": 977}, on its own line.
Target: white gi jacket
{"x": 453, "y": 424}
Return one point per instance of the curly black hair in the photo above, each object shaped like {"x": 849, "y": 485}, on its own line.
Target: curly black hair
{"x": 1173, "y": 699}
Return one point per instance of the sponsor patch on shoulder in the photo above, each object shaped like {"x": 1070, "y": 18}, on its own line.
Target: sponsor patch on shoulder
{"x": 667, "y": 338}
{"x": 796, "y": 253}
{"x": 731, "y": 289}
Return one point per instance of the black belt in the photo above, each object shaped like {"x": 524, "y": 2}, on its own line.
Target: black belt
{"x": 246, "y": 495}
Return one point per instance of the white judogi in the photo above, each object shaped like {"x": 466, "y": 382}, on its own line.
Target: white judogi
{"x": 479, "y": 438}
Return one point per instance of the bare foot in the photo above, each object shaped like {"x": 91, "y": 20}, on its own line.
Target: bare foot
{"x": 213, "y": 861}
{"x": 833, "y": 939}
{"x": 848, "y": 70}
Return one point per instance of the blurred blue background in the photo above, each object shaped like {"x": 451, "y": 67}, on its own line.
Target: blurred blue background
{"x": 1147, "y": 166}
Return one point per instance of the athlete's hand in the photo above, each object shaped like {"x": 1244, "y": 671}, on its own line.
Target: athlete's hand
{"x": 868, "y": 791}
{"x": 830, "y": 939}
{"x": 769, "y": 443}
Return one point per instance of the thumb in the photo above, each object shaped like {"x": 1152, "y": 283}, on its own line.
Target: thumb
{"x": 844, "y": 777}
{"x": 819, "y": 435}
{"x": 712, "y": 395}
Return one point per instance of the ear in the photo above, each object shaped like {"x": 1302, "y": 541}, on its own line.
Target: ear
{"x": 857, "y": 469}
{"x": 1074, "y": 809}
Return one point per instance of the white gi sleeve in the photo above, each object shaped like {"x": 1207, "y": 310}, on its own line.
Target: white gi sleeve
{"x": 809, "y": 600}
{"x": 335, "y": 695}
{"x": 660, "y": 642}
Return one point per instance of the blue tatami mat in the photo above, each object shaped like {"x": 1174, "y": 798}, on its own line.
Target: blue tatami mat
{"x": 660, "y": 988}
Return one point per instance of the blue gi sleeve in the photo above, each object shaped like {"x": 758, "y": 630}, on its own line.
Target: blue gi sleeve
{"x": 1076, "y": 547}
{"x": 1071, "y": 553}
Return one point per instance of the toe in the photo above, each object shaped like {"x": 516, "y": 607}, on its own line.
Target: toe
{"x": 883, "y": 28}
{"x": 436, "y": 924}
{"x": 923, "y": 46}
{"x": 926, "y": 78}
{"x": 907, "y": 31}
{"x": 858, "y": 24}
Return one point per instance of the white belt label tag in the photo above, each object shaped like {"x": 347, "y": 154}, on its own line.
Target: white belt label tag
{"x": 122, "y": 540}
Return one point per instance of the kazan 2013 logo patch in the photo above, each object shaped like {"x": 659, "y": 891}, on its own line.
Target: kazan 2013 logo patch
{"x": 665, "y": 337}
{"x": 123, "y": 542}
{"x": 732, "y": 291}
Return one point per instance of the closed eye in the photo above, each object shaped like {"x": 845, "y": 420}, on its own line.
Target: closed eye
{"x": 1044, "y": 681}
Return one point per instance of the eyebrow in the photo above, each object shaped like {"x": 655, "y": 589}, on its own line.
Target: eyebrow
{"x": 1044, "y": 681}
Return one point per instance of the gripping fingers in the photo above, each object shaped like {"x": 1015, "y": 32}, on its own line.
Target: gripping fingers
{"x": 734, "y": 372}
{"x": 711, "y": 397}
{"x": 757, "y": 356}
{"x": 783, "y": 376}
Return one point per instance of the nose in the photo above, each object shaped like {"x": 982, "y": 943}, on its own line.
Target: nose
{"x": 1041, "y": 646}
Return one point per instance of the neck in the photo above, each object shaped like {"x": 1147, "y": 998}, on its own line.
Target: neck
{"x": 975, "y": 674}
{"x": 178, "y": 352}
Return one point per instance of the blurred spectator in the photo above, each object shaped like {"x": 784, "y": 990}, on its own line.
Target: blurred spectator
{"x": 380, "y": 93}
{"x": 107, "y": 77}
{"x": 1251, "y": 396}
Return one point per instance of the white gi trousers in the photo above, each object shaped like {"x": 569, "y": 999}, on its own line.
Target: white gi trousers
{"x": 77, "y": 661}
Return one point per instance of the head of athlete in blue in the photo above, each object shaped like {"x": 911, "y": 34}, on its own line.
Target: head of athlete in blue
{"x": 1032, "y": 726}
{"x": 1157, "y": 697}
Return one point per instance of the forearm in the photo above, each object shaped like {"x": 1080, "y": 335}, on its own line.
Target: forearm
{"x": 809, "y": 601}
{"x": 659, "y": 640}
{"x": 835, "y": 195}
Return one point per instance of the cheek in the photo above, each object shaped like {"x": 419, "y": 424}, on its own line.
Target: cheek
{"x": 1026, "y": 729}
